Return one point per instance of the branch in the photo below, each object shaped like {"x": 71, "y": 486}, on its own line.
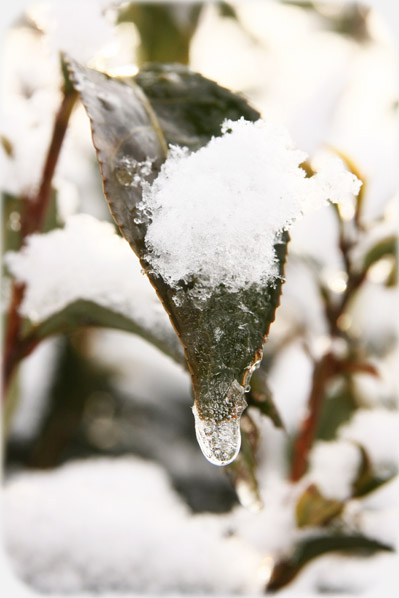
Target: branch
{"x": 14, "y": 348}
{"x": 322, "y": 373}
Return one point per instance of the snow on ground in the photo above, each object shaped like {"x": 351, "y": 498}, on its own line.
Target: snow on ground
{"x": 117, "y": 525}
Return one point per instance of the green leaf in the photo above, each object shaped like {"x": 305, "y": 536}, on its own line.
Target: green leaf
{"x": 307, "y": 550}
{"x": 313, "y": 509}
{"x": 367, "y": 480}
{"x": 7, "y": 146}
{"x": 189, "y": 107}
{"x": 260, "y": 397}
{"x": 385, "y": 247}
{"x": 128, "y": 128}
{"x": 337, "y": 409}
{"x": 83, "y": 313}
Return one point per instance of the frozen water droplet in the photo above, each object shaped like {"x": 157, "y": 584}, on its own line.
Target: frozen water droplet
{"x": 220, "y": 440}
{"x": 254, "y": 366}
{"x": 131, "y": 173}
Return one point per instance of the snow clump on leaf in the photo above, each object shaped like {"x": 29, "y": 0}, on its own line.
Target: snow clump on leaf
{"x": 215, "y": 214}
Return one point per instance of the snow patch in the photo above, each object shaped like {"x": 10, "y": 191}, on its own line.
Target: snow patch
{"x": 215, "y": 214}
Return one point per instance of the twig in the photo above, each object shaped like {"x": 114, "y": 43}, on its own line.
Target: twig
{"x": 323, "y": 371}
{"x": 14, "y": 348}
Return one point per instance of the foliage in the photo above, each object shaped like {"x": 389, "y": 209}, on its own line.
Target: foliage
{"x": 134, "y": 121}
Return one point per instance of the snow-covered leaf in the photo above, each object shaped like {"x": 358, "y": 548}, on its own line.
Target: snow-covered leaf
{"x": 82, "y": 313}
{"x": 223, "y": 333}
{"x": 368, "y": 479}
{"x": 210, "y": 226}
{"x": 310, "y": 548}
{"x": 99, "y": 284}
{"x": 384, "y": 247}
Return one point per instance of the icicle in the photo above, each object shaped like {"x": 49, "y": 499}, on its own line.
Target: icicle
{"x": 220, "y": 439}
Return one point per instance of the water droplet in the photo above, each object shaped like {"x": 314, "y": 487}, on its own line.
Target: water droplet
{"x": 220, "y": 439}
{"x": 15, "y": 221}
{"x": 254, "y": 366}
{"x": 131, "y": 173}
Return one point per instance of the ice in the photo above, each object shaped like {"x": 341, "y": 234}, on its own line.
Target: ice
{"x": 130, "y": 172}
{"x": 217, "y": 213}
{"x": 220, "y": 438}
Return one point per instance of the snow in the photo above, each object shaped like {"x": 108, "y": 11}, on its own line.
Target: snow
{"x": 85, "y": 260}
{"x": 215, "y": 214}
{"x": 291, "y": 399}
{"x": 321, "y": 85}
{"x": 377, "y": 430}
{"x": 35, "y": 378}
{"x": 66, "y": 27}
{"x": 117, "y": 525}
{"x": 334, "y": 467}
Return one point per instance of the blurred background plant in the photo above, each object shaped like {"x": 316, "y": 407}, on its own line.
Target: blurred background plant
{"x": 105, "y": 486}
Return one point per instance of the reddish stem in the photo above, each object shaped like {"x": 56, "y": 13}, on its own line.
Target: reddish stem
{"x": 323, "y": 371}
{"x": 15, "y": 348}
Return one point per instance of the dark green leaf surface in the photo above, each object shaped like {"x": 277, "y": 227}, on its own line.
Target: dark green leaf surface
{"x": 314, "y": 509}
{"x": 183, "y": 108}
{"x": 385, "y": 247}
{"x": 260, "y": 397}
{"x": 307, "y": 550}
{"x": 190, "y": 108}
{"x": 82, "y": 313}
{"x": 367, "y": 479}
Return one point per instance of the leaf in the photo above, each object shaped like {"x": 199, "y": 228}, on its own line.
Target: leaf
{"x": 313, "y": 509}
{"x": 367, "y": 480}
{"x": 337, "y": 409}
{"x": 189, "y": 107}
{"x": 82, "y": 313}
{"x": 385, "y": 247}
{"x": 130, "y": 135}
{"x": 7, "y": 146}
{"x": 307, "y": 550}
{"x": 243, "y": 470}
{"x": 260, "y": 397}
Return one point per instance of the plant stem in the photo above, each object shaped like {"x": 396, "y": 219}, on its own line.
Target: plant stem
{"x": 36, "y": 212}
{"x": 14, "y": 347}
{"x": 324, "y": 369}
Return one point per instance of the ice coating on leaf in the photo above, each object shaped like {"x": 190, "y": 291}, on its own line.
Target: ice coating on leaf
{"x": 219, "y": 436}
{"x": 216, "y": 213}
{"x": 130, "y": 172}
